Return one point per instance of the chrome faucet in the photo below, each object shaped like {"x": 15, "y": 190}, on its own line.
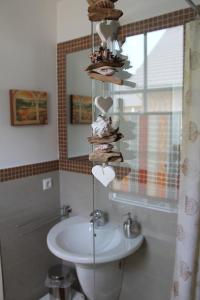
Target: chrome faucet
{"x": 99, "y": 218}
{"x": 65, "y": 211}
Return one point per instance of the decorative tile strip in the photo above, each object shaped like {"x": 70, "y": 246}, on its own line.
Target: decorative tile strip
{"x": 28, "y": 170}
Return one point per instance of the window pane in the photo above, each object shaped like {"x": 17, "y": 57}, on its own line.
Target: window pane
{"x": 152, "y": 124}
{"x": 165, "y": 58}
{"x": 133, "y": 48}
{"x": 127, "y": 103}
{"x": 165, "y": 100}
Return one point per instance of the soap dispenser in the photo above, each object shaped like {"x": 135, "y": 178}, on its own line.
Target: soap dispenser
{"x": 131, "y": 227}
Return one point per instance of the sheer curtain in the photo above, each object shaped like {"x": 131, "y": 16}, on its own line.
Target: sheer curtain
{"x": 1, "y": 280}
{"x": 186, "y": 284}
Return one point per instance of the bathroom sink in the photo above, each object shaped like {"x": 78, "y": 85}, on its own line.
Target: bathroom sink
{"x": 72, "y": 240}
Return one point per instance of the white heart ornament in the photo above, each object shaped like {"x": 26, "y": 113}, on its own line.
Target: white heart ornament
{"x": 103, "y": 104}
{"x": 104, "y": 174}
{"x": 107, "y": 31}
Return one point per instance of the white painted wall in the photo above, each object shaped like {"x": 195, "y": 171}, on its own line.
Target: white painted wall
{"x": 73, "y": 21}
{"x": 27, "y": 61}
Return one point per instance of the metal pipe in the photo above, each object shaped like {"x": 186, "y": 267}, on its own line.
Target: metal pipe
{"x": 193, "y": 6}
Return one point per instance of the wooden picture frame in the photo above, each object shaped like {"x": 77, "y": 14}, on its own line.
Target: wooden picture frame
{"x": 28, "y": 108}
{"x": 81, "y": 109}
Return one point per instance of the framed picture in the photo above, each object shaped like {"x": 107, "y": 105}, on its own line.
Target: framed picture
{"x": 28, "y": 108}
{"x": 81, "y": 109}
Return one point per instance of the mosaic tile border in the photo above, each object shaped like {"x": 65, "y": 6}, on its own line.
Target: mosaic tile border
{"x": 175, "y": 18}
{"x": 28, "y": 170}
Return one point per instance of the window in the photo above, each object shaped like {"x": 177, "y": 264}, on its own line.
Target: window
{"x": 150, "y": 114}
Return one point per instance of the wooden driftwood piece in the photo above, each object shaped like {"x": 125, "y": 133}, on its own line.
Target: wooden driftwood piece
{"x": 97, "y": 14}
{"x": 105, "y": 140}
{"x": 93, "y": 2}
{"x": 105, "y": 78}
{"x": 102, "y": 157}
{"x": 105, "y": 64}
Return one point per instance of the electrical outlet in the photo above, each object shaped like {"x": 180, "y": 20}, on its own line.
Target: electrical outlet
{"x": 47, "y": 183}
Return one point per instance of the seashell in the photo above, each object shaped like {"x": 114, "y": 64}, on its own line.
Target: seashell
{"x": 104, "y": 4}
{"x": 102, "y": 127}
{"x": 104, "y": 148}
{"x": 107, "y": 71}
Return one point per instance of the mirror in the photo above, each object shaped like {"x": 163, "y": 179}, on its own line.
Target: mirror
{"x": 79, "y": 104}
{"x": 149, "y": 115}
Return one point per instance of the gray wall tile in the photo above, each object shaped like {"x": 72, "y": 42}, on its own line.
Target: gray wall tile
{"x": 26, "y": 258}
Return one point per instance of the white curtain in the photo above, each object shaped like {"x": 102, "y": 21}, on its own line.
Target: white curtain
{"x": 1, "y": 281}
{"x": 186, "y": 284}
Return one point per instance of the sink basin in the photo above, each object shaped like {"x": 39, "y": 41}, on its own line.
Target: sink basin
{"x": 72, "y": 240}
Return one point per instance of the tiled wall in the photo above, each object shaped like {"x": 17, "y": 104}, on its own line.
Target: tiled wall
{"x": 25, "y": 256}
{"x": 28, "y": 170}
{"x": 147, "y": 273}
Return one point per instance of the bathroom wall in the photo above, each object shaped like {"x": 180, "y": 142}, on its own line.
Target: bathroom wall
{"x": 147, "y": 273}
{"x": 25, "y": 256}
{"x": 73, "y": 21}
{"x": 27, "y": 61}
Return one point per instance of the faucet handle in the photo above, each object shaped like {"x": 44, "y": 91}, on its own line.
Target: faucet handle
{"x": 66, "y": 210}
{"x": 97, "y": 213}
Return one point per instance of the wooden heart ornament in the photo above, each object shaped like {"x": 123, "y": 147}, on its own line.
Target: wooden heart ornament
{"x": 104, "y": 174}
{"x": 103, "y": 104}
{"x": 107, "y": 31}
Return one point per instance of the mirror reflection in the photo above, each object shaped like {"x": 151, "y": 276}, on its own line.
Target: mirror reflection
{"x": 79, "y": 105}
{"x": 149, "y": 116}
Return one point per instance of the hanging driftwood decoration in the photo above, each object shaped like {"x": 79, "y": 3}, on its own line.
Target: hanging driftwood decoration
{"x": 104, "y": 65}
{"x": 104, "y": 134}
{"x": 104, "y": 57}
{"x": 109, "y": 139}
{"x": 99, "y": 10}
{"x": 105, "y": 78}
{"x": 103, "y": 131}
{"x": 102, "y": 157}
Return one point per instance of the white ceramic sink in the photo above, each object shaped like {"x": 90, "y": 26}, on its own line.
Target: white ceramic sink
{"x": 72, "y": 240}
